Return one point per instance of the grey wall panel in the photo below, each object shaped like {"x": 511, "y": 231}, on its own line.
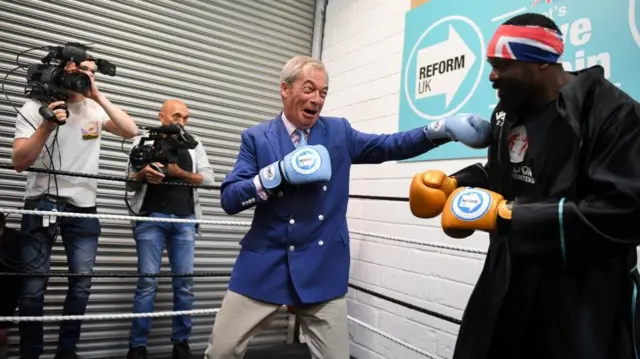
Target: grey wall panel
{"x": 223, "y": 59}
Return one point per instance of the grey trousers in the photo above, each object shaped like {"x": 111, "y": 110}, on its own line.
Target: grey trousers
{"x": 241, "y": 318}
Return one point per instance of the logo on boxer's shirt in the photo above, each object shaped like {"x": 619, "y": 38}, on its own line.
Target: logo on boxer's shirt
{"x": 470, "y": 204}
{"x": 500, "y": 117}
{"x": 518, "y": 144}
{"x": 522, "y": 173}
{"x": 306, "y": 161}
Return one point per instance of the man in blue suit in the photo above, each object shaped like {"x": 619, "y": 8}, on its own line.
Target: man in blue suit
{"x": 295, "y": 170}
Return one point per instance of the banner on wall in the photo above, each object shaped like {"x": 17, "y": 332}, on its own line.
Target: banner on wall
{"x": 444, "y": 67}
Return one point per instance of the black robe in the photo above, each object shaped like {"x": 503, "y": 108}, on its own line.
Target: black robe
{"x": 563, "y": 283}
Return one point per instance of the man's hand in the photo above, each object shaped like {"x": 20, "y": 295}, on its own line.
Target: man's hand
{"x": 152, "y": 176}
{"x": 476, "y": 209}
{"x": 120, "y": 123}
{"x": 173, "y": 170}
{"x": 61, "y": 115}
{"x": 93, "y": 92}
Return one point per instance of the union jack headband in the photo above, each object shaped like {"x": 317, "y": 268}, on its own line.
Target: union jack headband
{"x": 527, "y": 44}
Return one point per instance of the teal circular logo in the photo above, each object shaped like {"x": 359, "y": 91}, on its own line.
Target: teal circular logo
{"x": 451, "y": 68}
{"x": 307, "y": 161}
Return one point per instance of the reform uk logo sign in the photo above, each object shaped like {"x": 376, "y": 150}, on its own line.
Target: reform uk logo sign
{"x": 445, "y": 69}
{"x": 440, "y": 65}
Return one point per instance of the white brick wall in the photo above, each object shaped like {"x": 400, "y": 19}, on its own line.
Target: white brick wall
{"x": 363, "y": 52}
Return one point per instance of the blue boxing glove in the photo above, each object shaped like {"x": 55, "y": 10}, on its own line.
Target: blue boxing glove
{"x": 469, "y": 129}
{"x": 306, "y": 164}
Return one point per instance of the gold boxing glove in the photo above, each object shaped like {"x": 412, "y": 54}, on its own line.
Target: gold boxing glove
{"x": 428, "y": 193}
{"x": 476, "y": 209}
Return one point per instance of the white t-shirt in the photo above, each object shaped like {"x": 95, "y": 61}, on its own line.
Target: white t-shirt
{"x": 77, "y": 150}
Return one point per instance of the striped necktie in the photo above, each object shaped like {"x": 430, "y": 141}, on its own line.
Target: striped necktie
{"x": 299, "y": 138}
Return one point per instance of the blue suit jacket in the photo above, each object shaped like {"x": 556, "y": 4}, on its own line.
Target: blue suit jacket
{"x": 297, "y": 249}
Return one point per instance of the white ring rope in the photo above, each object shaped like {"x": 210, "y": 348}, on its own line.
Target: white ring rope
{"x": 118, "y": 217}
{"x": 56, "y": 318}
{"x": 420, "y": 243}
{"x": 393, "y": 339}
{"x": 223, "y": 223}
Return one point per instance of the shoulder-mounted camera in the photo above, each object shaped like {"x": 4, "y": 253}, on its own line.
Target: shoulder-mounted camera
{"x": 49, "y": 82}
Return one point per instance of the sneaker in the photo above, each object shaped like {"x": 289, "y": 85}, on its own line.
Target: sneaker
{"x": 181, "y": 350}
{"x": 137, "y": 353}
{"x": 66, "y": 355}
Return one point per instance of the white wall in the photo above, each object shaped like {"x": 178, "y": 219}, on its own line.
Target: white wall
{"x": 362, "y": 49}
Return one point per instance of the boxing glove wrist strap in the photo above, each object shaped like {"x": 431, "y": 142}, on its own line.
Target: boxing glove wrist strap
{"x": 433, "y": 135}
{"x": 472, "y": 176}
{"x": 272, "y": 178}
{"x": 503, "y": 219}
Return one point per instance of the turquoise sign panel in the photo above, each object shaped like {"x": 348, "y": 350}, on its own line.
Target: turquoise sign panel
{"x": 444, "y": 67}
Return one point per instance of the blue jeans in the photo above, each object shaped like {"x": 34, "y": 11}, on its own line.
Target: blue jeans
{"x": 151, "y": 238}
{"x": 80, "y": 240}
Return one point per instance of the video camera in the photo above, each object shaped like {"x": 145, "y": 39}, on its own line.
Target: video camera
{"x": 167, "y": 140}
{"x": 49, "y": 82}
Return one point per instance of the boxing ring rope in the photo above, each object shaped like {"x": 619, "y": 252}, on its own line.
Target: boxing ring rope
{"x": 54, "y": 318}
{"x": 105, "y": 177}
{"x": 200, "y": 274}
{"x": 115, "y": 275}
{"x": 225, "y": 223}
{"x": 57, "y": 318}
{"x": 201, "y": 221}
{"x": 210, "y": 275}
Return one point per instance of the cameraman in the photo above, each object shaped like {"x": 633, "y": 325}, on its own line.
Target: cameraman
{"x": 76, "y": 148}
{"x": 164, "y": 201}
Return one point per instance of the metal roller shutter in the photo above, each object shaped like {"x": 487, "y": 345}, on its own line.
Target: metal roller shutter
{"x": 223, "y": 59}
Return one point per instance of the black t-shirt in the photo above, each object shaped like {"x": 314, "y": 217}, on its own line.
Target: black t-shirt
{"x": 526, "y": 140}
{"x": 526, "y": 135}
{"x": 167, "y": 199}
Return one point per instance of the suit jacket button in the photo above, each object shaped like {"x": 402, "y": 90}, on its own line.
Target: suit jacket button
{"x": 292, "y": 221}
{"x": 324, "y": 188}
{"x": 321, "y": 217}
{"x": 292, "y": 248}
{"x": 320, "y": 243}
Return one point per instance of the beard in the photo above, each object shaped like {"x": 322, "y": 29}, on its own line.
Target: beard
{"x": 513, "y": 94}
{"x": 518, "y": 95}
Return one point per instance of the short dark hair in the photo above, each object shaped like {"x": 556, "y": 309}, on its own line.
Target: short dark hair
{"x": 533, "y": 19}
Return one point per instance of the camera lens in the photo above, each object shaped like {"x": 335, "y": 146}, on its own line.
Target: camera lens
{"x": 75, "y": 81}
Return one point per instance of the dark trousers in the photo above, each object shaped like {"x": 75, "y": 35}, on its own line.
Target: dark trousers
{"x": 10, "y": 287}
{"x": 80, "y": 240}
